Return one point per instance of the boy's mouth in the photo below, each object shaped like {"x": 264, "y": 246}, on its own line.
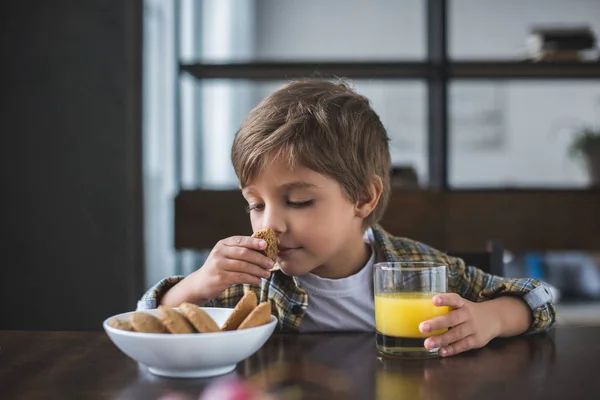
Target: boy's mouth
{"x": 285, "y": 251}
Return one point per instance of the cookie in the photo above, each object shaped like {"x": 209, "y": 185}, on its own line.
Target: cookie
{"x": 175, "y": 322}
{"x": 147, "y": 323}
{"x": 198, "y": 318}
{"x": 268, "y": 235}
{"x": 121, "y": 324}
{"x": 241, "y": 311}
{"x": 259, "y": 316}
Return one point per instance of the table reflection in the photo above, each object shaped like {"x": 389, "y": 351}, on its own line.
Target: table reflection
{"x": 369, "y": 375}
{"x": 348, "y": 366}
{"x": 467, "y": 375}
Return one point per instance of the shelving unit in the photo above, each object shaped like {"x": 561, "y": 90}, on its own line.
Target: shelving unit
{"x": 438, "y": 71}
{"x": 395, "y": 70}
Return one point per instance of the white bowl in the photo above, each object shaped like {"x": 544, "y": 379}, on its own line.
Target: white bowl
{"x": 195, "y": 355}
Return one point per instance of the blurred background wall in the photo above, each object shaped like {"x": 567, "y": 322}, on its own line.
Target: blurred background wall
{"x": 72, "y": 235}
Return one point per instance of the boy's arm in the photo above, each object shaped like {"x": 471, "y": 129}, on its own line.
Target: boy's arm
{"x": 151, "y": 299}
{"x": 475, "y": 285}
{"x": 233, "y": 263}
{"x": 512, "y": 314}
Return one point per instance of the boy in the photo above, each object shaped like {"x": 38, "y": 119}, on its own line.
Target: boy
{"x": 313, "y": 164}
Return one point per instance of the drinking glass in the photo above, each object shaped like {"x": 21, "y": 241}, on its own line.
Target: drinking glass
{"x": 403, "y": 299}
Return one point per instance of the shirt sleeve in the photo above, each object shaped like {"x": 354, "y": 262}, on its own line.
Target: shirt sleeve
{"x": 475, "y": 285}
{"x": 152, "y": 297}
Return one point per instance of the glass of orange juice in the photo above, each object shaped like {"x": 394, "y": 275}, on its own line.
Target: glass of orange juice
{"x": 403, "y": 299}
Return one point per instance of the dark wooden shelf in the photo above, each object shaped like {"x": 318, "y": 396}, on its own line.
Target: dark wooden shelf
{"x": 495, "y": 69}
{"x": 287, "y": 70}
{"x": 524, "y": 70}
{"x": 522, "y": 220}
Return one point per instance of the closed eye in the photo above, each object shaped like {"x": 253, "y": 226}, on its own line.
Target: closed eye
{"x": 300, "y": 204}
{"x": 254, "y": 207}
{"x": 293, "y": 204}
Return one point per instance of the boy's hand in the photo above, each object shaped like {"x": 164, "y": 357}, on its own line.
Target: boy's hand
{"x": 232, "y": 261}
{"x": 473, "y": 326}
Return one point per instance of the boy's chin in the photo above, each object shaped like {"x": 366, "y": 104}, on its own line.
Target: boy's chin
{"x": 289, "y": 269}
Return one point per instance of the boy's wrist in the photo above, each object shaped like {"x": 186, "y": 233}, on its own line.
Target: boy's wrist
{"x": 512, "y": 316}
{"x": 492, "y": 309}
{"x": 181, "y": 293}
{"x": 194, "y": 291}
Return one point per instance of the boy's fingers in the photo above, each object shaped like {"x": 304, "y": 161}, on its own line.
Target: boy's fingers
{"x": 245, "y": 241}
{"x": 448, "y": 299}
{"x": 236, "y": 278}
{"x": 453, "y": 318}
{"x": 462, "y": 345}
{"x": 248, "y": 255}
{"x": 243, "y": 267}
{"x": 453, "y": 335}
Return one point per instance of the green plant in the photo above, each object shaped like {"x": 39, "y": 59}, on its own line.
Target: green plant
{"x": 586, "y": 142}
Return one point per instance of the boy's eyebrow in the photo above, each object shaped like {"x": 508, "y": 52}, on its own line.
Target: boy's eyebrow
{"x": 247, "y": 190}
{"x": 286, "y": 186}
{"x": 298, "y": 185}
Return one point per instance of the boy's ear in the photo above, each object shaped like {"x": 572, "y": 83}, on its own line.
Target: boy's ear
{"x": 367, "y": 203}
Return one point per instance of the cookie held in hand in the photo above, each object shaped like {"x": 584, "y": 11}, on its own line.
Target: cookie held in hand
{"x": 268, "y": 235}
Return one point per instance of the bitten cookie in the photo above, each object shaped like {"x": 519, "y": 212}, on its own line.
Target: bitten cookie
{"x": 268, "y": 235}
{"x": 175, "y": 322}
{"x": 198, "y": 318}
{"x": 259, "y": 316}
{"x": 241, "y": 311}
{"x": 147, "y": 323}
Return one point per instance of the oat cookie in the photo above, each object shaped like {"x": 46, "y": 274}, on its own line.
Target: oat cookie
{"x": 259, "y": 316}
{"x": 147, "y": 323}
{"x": 175, "y": 322}
{"x": 241, "y": 311}
{"x": 268, "y": 235}
{"x": 121, "y": 324}
{"x": 198, "y": 318}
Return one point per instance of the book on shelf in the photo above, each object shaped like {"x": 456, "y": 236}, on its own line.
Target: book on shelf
{"x": 561, "y": 43}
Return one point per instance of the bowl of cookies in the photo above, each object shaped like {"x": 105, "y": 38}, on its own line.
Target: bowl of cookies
{"x": 191, "y": 341}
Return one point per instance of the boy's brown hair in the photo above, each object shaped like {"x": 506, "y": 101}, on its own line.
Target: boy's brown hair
{"x": 324, "y": 126}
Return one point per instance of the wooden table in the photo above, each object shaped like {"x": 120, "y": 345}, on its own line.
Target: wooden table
{"x": 564, "y": 364}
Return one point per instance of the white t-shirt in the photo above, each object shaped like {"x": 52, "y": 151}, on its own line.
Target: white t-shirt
{"x": 344, "y": 304}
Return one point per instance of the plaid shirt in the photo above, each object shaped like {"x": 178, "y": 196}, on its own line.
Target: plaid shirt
{"x": 289, "y": 301}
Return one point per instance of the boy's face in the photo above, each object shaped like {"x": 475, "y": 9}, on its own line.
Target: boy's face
{"x": 318, "y": 228}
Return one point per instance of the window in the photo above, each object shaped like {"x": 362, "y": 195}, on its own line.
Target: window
{"x": 455, "y": 123}
{"x": 330, "y": 30}
{"x": 517, "y": 133}
{"x": 223, "y": 104}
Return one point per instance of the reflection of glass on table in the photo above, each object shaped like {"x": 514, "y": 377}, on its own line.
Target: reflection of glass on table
{"x": 396, "y": 380}
{"x": 403, "y": 299}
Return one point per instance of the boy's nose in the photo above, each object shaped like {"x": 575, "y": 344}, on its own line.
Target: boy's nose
{"x": 274, "y": 220}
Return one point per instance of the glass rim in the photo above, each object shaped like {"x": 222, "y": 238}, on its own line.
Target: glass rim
{"x": 410, "y": 265}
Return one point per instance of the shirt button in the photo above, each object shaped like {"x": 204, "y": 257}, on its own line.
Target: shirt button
{"x": 297, "y": 310}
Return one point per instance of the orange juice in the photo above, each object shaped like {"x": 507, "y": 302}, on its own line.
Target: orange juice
{"x": 399, "y": 314}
